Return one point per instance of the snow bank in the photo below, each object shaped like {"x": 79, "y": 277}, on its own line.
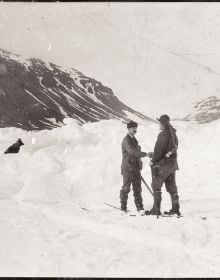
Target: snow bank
{"x": 47, "y": 189}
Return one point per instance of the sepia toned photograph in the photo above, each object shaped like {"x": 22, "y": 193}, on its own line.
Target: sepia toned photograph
{"x": 109, "y": 129}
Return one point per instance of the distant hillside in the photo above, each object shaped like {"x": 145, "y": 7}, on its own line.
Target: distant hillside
{"x": 36, "y": 94}
{"x": 206, "y": 110}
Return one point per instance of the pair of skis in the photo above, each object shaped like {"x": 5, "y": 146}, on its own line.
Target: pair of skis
{"x": 204, "y": 218}
{"x": 132, "y": 214}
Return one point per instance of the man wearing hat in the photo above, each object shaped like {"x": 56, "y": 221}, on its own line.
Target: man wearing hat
{"x": 130, "y": 168}
{"x": 163, "y": 166}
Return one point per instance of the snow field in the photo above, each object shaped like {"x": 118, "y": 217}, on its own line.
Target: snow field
{"x": 46, "y": 232}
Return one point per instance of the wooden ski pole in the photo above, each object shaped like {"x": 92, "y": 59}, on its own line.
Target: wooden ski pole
{"x": 147, "y": 186}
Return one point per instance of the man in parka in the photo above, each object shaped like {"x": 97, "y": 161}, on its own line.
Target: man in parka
{"x": 130, "y": 169}
{"x": 163, "y": 166}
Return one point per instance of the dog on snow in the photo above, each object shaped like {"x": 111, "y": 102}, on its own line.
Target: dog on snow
{"x": 15, "y": 147}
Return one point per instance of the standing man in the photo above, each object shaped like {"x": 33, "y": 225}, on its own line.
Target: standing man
{"x": 131, "y": 169}
{"x": 163, "y": 166}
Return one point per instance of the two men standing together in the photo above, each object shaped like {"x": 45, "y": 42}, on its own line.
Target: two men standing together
{"x": 163, "y": 165}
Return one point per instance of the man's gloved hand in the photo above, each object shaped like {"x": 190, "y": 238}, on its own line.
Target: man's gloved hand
{"x": 150, "y": 154}
{"x": 143, "y": 154}
{"x": 150, "y": 163}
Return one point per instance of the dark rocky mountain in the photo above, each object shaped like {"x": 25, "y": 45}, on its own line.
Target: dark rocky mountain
{"x": 36, "y": 95}
{"x": 206, "y": 110}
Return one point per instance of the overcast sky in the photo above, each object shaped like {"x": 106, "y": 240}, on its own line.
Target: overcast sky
{"x": 115, "y": 43}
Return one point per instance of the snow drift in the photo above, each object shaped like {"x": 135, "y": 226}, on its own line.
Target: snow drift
{"x": 54, "y": 221}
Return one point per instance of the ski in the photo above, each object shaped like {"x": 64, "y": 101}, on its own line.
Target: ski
{"x": 159, "y": 216}
{"x": 181, "y": 216}
{"x": 83, "y": 208}
{"x": 168, "y": 214}
{"x": 122, "y": 212}
{"x": 172, "y": 216}
{"x": 112, "y": 206}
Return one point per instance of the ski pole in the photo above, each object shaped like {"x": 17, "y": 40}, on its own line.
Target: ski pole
{"x": 147, "y": 185}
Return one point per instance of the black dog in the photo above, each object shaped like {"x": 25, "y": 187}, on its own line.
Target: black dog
{"x": 15, "y": 147}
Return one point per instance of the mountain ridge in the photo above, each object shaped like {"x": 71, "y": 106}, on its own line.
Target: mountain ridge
{"x": 205, "y": 111}
{"x": 36, "y": 94}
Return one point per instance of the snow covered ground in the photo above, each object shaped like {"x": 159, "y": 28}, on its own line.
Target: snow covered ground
{"x": 58, "y": 174}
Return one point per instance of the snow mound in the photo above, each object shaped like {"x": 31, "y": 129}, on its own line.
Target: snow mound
{"x": 52, "y": 207}
{"x": 82, "y": 163}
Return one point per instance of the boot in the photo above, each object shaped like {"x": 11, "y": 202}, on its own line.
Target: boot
{"x": 156, "y": 207}
{"x": 175, "y": 205}
{"x": 123, "y": 199}
{"x": 124, "y": 208}
{"x": 138, "y": 201}
{"x": 141, "y": 212}
{"x": 152, "y": 211}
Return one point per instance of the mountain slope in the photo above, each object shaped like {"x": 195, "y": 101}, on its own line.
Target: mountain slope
{"x": 36, "y": 95}
{"x": 206, "y": 110}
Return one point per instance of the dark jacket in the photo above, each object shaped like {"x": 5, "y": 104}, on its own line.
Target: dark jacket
{"x": 131, "y": 155}
{"x": 163, "y": 145}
